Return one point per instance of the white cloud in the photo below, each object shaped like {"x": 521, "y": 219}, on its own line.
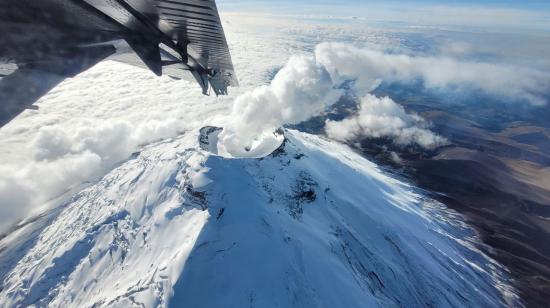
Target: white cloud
{"x": 15, "y": 199}
{"x": 301, "y": 89}
{"x": 89, "y": 123}
{"x": 109, "y": 140}
{"x": 64, "y": 158}
{"x": 22, "y": 188}
{"x": 370, "y": 67}
{"x": 382, "y": 117}
{"x": 306, "y": 85}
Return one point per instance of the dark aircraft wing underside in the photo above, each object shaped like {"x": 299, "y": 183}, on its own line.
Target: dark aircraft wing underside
{"x": 43, "y": 42}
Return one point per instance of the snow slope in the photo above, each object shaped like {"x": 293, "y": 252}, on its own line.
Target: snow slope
{"x": 312, "y": 225}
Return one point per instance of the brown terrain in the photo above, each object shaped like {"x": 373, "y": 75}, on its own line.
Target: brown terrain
{"x": 497, "y": 176}
{"x": 495, "y": 171}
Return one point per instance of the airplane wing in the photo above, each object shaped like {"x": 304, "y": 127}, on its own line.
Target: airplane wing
{"x": 43, "y": 42}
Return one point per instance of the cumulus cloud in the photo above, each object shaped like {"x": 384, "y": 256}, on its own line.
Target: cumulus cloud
{"x": 110, "y": 140}
{"x": 39, "y": 181}
{"x": 301, "y": 89}
{"x": 63, "y": 159}
{"x": 382, "y": 117}
{"x": 371, "y": 67}
{"x": 306, "y": 85}
{"x": 14, "y": 200}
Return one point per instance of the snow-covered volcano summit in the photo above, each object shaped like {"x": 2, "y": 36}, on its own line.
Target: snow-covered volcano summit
{"x": 311, "y": 225}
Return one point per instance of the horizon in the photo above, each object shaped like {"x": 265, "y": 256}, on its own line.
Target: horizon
{"x": 507, "y": 16}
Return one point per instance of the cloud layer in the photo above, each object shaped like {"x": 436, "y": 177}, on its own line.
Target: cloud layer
{"x": 382, "y": 117}
{"x": 63, "y": 159}
{"x": 86, "y": 125}
{"x": 371, "y": 67}
{"x": 308, "y": 84}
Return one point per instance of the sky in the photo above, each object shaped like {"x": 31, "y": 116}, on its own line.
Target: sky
{"x": 492, "y": 15}
{"x": 526, "y": 4}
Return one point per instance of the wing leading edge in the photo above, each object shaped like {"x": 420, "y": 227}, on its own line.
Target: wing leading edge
{"x": 43, "y": 42}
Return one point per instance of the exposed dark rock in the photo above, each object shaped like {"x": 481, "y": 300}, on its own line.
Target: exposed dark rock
{"x": 208, "y": 138}
{"x": 303, "y": 192}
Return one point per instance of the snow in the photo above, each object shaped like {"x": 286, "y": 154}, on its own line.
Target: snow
{"x": 108, "y": 246}
{"x": 313, "y": 224}
{"x": 123, "y": 208}
{"x": 262, "y": 146}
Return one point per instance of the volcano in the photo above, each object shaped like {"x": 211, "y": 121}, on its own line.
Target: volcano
{"x": 312, "y": 224}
